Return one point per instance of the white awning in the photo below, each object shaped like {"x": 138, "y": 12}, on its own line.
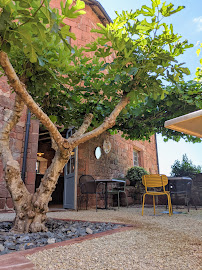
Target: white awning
{"x": 190, "y": 123}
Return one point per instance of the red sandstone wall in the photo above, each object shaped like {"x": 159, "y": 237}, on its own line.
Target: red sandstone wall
{"x": 17, "y": 143}
{"x": 116, "y": 162}
{"x": 120, "y": 158}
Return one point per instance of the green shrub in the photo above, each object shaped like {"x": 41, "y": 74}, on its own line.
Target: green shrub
{"x": 135, "y": 174}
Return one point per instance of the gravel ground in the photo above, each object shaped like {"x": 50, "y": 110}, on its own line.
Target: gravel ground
{"x": 156, "y": 242}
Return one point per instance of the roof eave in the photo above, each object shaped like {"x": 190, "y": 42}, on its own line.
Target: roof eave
{"x": 99, "y": 11}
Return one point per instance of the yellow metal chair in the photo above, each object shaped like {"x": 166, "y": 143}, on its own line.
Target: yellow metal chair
{"x": 156, "y": 181}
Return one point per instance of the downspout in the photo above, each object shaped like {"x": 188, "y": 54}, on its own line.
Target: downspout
{"x": 24, "y": 162}
{"x": 157, "y": 158}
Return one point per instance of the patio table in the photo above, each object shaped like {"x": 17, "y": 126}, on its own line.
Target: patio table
{"x": 106, "y": 182}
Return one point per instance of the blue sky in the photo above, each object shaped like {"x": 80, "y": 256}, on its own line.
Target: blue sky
{"x": 187, "y": 23}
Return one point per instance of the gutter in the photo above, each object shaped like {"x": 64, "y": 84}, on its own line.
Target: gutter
{"x": 100, "y": 7}
{"x": 157, "y": 158}
{"x": 24, "y": 162}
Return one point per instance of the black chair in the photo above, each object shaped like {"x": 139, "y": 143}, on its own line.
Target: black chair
{"x": 117, "y": 188}
{"x": 88, "y": 186}
{"x": 181, "y": 189}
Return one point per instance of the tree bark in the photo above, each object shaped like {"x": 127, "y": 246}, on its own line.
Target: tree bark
{"x": 43, "y": 194}
{"x": 19, "y": 193}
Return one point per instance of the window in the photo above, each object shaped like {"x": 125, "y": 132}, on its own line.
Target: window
{"x": 135, "y": 158}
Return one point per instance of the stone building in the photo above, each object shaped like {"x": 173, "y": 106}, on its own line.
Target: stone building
{"x": 31, "y": 145}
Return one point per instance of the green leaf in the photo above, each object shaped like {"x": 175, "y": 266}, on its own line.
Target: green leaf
{"x": 53, "y": 118}
{"x": 65, "y": 32}
{"x": 79, "y": 5}
{"x": 41, "y": 30}
{"x": 148, "y": 12}
{"x": 156, "y": 3}
{"x": 185, "y": 70}
{"x": 198, "y": 51}
{"x": 133, "y": 71}
{"x": 33, "y": 55}
{"x": 24, "y": 4}
{"x": 41, "y": 62}
{"x": 25, "y": 34}
{"x": 4, "y": 3}
{"x": 6, "y": 47}
{"x": 70, "y": 12}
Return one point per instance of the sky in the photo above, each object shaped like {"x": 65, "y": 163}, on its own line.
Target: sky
{"x": 187, "y": 23}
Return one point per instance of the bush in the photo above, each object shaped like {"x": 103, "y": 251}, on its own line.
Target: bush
{"x": 185, "y": 168}
{"x": 135, "y": 174}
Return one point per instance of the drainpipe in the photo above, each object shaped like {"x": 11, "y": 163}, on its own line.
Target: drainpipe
{"x": 157, "y": 158}
{"x": 26, "y": 145}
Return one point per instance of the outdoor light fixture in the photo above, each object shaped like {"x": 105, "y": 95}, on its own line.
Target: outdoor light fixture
{"x": 40, "y": 154}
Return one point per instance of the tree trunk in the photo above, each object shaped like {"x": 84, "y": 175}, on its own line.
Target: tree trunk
{"x": 43, "y": 194}
{"x": 31, "y": 209}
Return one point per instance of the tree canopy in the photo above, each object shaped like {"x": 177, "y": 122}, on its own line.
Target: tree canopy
{"x": 68, "y": 83}
{"x": 185, "y": 168}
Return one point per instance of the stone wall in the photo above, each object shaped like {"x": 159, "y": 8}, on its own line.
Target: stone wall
{"x": 117, "y": 161}
{"x": 120, "y": 158}
{"x": 17, "y": 143}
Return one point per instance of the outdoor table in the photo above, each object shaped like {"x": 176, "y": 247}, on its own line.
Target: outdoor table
{"x": 106, "y": 182}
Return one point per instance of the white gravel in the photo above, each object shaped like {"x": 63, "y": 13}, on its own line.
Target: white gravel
{"x": 156, "y": 242}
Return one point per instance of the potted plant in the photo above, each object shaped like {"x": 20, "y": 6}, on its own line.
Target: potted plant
{"x": 134, "y": 175}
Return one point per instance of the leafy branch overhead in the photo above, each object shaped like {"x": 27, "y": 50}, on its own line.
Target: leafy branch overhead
{"x": 136, "y": 55}
{"x": 31, "y": 26}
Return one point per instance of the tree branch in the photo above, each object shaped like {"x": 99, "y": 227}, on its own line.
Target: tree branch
{"x": 32, "y": 15}
{"x": 109, "y": 122}
{"x": 86, "y": 123}
{"x": 14, "y": 117}
{"x": 20, "y": 89}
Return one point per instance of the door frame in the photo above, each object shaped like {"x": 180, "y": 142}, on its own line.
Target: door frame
{"x": 75, "y": 173}
{"x": 75, "y": 178}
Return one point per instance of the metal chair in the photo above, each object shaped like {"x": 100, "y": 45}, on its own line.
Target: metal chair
{"x": 156, "y": 181}
{"x": 88, "y": 186}
{"x": 181, "y": 188}
{"x": 120, "y": 187}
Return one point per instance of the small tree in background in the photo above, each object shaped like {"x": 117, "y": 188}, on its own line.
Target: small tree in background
{"x": 185, "y": 168}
